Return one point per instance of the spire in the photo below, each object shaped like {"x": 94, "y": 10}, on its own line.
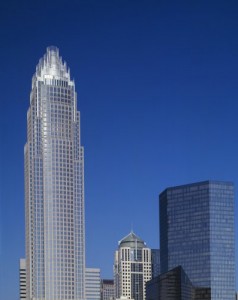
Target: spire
{"x": 53, "y": 58}
{"x": 132, "y": 227}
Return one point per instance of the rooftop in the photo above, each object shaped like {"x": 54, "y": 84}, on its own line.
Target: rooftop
{"x": 132, "y": 241}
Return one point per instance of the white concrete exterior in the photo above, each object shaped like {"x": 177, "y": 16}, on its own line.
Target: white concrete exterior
{"x": 132, "y": 268}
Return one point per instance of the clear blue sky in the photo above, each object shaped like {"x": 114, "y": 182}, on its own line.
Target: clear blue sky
{"x": 158, "y": 95}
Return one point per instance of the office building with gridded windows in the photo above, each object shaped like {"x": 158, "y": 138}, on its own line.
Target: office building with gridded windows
{"x": 197, "y": 232}
{"x": 22, "y": 277}
{"x": 107, "y": 289}
{"x": 132, "y": 268}
{"x": 54, "y": 185}
{"x": 92, "y": 284}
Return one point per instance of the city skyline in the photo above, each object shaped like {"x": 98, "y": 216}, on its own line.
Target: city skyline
{"x": 157, "y": 86}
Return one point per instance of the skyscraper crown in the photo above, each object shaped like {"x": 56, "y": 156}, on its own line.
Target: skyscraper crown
{"x": 131, "y": 240}
{"x": 51, "y": 66}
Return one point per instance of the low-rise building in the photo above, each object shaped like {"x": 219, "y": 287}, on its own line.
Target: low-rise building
{"x": 92, "y": 284}
{"x": 107, "y": 289}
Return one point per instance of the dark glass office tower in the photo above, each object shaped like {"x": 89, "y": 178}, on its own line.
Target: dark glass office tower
{"x": 155, "y": 262}
{"x": 197, "y": 232}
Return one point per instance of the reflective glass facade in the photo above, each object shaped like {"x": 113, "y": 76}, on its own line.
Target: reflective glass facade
{"x": 175, "y": 285}
{"x": 197, "y": 232}
{"x": 54, "y": 185}
{"x": 155, "y": 261}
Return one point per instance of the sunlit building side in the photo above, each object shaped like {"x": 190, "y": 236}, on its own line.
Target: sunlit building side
{"x": 54, "y": 185}
{"x": 132, "y": 268}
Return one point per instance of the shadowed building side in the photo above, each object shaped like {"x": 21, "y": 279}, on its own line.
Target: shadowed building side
{"x": 175, "y": 285}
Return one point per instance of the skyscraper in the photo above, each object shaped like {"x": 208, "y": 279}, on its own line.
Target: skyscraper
{"x": 132, "y": 268}
{"x": 54, "y": 185}
{"x": 197, "y": 232}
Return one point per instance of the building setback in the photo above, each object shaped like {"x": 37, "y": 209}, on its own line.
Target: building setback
{"x": 54, "y": 185}
{"x": 197, "y": 232}
{"x": 132, "y": 268}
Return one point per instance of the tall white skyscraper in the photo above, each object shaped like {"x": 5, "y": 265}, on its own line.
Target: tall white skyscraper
{"x": 54, "y": 185}
{"x": 132, "y": 268}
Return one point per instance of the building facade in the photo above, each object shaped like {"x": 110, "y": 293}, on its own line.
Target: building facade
{"x": 92, "y": 284}
{"x": 197, "y": 232}
{"x": 22, "y": 277}
{"x": 132, "y": 268}
{"x": 54, "y": 185}
{"x": 155, "y": 262}
{"x": 175, "y": 285}
{"x": 170, "y": 286}
{"x": 107, "y": 289}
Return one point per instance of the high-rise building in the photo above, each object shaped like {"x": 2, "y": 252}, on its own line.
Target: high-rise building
{"x": 132, "y": 268}
{"x": 197, "y": 232}
{"x": 54, "y": 185}
{"x": 107, "y": 289}
{"x": 155, "y": 262}
{"x": 92, "y": 284}
{"x": 22, "y": 277}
